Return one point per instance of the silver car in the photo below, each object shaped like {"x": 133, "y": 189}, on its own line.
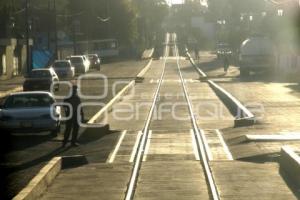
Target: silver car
{"x": 64, "y": 69}
{"x": 80, "y": 63}
{"x": 30, "y": 112}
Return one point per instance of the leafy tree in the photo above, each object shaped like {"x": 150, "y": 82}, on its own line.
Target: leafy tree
{"x": 151, "y": 14}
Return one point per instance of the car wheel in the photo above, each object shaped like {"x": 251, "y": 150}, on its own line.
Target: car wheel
{"x": 55, "y": 132}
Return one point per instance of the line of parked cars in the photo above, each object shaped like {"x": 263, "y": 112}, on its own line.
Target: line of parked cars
{"x": 32, "y": 110}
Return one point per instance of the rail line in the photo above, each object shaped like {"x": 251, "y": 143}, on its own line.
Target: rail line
{"x": 203, "y": 151}
{"x": 138, "y": 159}
{"x": 142, "y": 143}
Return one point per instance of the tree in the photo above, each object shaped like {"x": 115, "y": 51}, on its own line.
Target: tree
{"x": 151, "y": 14}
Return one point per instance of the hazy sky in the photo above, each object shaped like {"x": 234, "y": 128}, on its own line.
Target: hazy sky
{"x": 175, "y": 1}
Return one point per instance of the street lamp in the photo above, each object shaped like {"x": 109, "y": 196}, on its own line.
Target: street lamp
{"x": 12, "y": 25}
{"x": 28, "y": 27}
{"x": 55, "y": 29}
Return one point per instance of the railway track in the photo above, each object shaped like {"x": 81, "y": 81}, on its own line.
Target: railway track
{"x": 171, "y": 46}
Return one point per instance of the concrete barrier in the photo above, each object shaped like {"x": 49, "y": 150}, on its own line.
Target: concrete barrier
{"x": 203, "y": 76}
{"x": 38, "y": 185}
{"x": 148, "y": 53}
{"x": 243, "y": 117}
{"x": 290, "y": 164}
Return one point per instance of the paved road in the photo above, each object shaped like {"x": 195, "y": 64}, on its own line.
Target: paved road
{"x": 275, "y": 100}
{"x": 28, "y": 153}
{"x": 171, "y": 166}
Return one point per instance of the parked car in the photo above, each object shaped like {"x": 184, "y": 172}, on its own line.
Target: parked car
{"x": 223, "y": 50}
{"x": 41, "y": 80}
{"x": 64, "y": 69}
{"x": 256, "y": 54}
{"x": 80, "y": 63}
{"x": 30, "y": 112}
{"x": 95, "y": 61}
{"x": 87, "y": 61}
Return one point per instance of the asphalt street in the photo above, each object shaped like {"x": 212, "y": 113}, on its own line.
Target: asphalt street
{"x": 242, "y": 168}
{"x": 170, "y": 169}
{"x": 28, "y": 153}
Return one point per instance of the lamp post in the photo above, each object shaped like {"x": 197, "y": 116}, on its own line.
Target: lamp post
{"x": 55, "y": 30}
{"x": 28, "y": 51}
{"x": 12, "y": 25}
{"x": 48, "y": 27}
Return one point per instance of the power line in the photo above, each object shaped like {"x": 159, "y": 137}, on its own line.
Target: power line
{"x": 71, "y": 15}
{"x": 276, "y": 2}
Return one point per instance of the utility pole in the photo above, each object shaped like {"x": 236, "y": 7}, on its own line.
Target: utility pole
{"x": 55, "y": 29}
{"x": 74, "y": 24}
{"x": 48, "y": 27}
{"x": 28, "y": 50}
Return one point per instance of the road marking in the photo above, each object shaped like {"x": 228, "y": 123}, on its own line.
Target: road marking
{"x": 209, "y": 154}
{"x": 147, "y": 146}
{"x": 226, "y": 149}
{"x": 195, "y": 147}
{"x": 134, "y": 150}
{"x": 113, "y": 155}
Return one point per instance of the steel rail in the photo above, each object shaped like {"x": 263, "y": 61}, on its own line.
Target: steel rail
{"x": 199, "y": 137}
{"x": 145, "y": 133}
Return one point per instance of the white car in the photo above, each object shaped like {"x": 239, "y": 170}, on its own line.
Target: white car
{"x": 64, "y": 68}
{"x": 30, "y": 112}
{"x": 87, "y": 61}
{"x": 80, "y": 63}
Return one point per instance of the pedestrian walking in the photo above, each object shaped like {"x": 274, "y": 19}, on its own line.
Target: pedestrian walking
{"x": 72, "y": 125}
{"x": 196, "y": 50}
{"x": 226, "y": 64}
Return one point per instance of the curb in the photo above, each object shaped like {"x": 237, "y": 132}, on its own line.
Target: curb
{"x": 38, "y": 185}
{"x": 244, "y": 117}
{"x": 290, "y": 163}
{"x": 149, "y": 52}
{"x": 203, "y": 76}
{"x": 108, "y": 107}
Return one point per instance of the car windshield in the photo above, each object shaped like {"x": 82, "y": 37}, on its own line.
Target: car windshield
{"x": 61, "y": 65}
{"x": 28, "y": 101}
{"x": 92, "y": 57}
{"x": 76, "y": 60}
{"x": 40, "y": 74}
{"x": 223, "y": 46}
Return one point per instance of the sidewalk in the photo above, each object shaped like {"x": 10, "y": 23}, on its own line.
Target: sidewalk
{"x": 10, "y": 86}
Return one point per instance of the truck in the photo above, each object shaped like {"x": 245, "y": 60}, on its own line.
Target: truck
{"x": 257, "y": 54}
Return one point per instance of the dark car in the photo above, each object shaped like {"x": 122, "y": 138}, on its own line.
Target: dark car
{"x": 95, "y": 61}
{"x": 41, "y": 80}
{"x": 223, "y": 50}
